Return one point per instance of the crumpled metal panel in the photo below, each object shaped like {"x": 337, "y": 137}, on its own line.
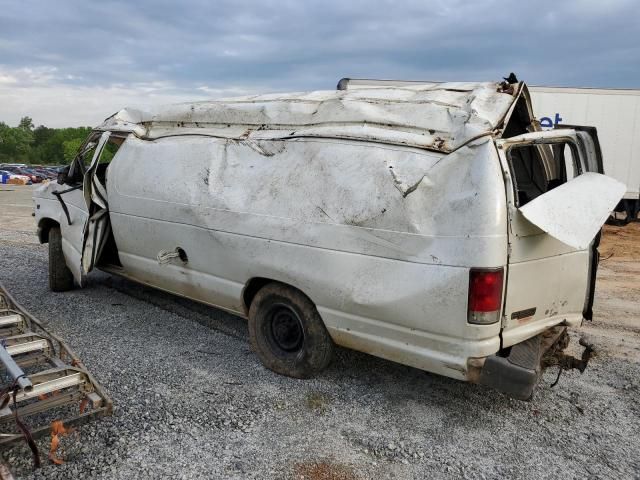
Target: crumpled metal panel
{"x": 440, "y": 117}
{"x": 410, "y": 205}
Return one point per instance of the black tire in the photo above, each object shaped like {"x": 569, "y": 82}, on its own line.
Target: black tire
{"x": 60, "y": 277}
{"x": 287, "y": 333}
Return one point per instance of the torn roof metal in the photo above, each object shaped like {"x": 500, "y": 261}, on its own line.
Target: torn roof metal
{"x": 440, "y": 116}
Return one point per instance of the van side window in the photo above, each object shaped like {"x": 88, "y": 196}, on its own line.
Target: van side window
{"x": 537, "y": 169}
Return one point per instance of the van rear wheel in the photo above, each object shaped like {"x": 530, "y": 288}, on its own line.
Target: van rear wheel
{"x": 287, "y": 333}
{"x": 60, "y": 277}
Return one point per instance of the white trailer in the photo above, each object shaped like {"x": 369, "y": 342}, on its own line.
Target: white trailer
{"x": 614, "y": 112}
{"x": 616, "y": 115}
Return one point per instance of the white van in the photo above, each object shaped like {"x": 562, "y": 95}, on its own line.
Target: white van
{"x": 433, "y": 225}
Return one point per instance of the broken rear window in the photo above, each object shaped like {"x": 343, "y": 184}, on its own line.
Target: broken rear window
{"x": 539, "y": 168}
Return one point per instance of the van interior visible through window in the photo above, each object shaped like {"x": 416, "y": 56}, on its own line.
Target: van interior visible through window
{"x": 540, "y": 168}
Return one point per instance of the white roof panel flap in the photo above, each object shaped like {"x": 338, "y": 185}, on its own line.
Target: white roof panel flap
{"x": 575, "y": 211}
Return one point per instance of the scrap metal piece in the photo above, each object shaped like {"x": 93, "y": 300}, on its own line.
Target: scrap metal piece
{"x": 569, "y": 362}
{"x": 556, "y": 357}
{"x": 57, "y": 430}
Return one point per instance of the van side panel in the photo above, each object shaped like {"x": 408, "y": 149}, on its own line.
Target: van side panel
{"x": 381, "y": 238}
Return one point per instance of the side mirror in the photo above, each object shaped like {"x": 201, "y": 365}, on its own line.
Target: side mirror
{"x": 63, "y": 175}
{"x": 72, "y": 174}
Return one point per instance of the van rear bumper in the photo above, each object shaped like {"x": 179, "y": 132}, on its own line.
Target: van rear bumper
{"x": 517, "y": 373}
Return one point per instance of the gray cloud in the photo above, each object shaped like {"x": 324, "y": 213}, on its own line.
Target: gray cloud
{"x": 151, "y": 51}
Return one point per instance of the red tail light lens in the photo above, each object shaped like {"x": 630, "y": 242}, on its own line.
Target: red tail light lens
{"x": 485, "y": 295}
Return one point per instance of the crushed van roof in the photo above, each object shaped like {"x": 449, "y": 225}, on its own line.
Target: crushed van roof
{"x": 441, "y": 116}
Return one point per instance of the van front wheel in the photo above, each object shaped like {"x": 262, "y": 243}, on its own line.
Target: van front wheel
{"x": 287, "y": 333}
{"x": 60, "y": 277}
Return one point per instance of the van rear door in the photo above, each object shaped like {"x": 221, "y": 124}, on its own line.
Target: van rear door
{"x": 558, "y": 200}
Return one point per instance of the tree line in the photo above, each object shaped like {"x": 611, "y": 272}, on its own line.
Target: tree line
{"x": 40, "y": 145}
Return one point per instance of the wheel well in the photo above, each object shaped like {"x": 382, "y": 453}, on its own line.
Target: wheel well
{"x": 44, "y": 226}
{"x": 250, "y": 289}
{"x": 254, "y": 285}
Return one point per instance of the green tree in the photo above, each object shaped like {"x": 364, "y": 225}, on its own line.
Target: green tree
{"x": 15, "y": 143}
{"x": 53, "y": 150}
{"x": 41, "y": 145}
{"x": 70, "y": 148}
{"x": 41, "y": 134}
{"x": 26, "y": 123}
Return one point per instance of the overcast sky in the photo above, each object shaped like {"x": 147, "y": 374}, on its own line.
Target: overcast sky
{"x": 68, "y": 63}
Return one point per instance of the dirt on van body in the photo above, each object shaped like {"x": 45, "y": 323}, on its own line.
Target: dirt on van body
{"x": 192, "y": 401}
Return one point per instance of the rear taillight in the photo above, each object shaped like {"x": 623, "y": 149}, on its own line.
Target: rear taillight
{"x": 485, "y": 295}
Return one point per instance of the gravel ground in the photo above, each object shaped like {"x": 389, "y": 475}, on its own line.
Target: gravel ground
{"x": 192, "y": 401}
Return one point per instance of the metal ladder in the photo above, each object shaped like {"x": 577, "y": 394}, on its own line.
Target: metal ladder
{"x": 47, "y": 377}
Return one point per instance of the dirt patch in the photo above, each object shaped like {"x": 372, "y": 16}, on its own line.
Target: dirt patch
{"x": 324, "y": 470}
{"x": 16, "y": 207}
{"x": 621, "y": 243}
{"x": 616, "y": 328}
{"x": 317, "y": 401}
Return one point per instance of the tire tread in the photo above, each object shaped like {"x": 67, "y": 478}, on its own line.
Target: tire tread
{"x": 60, "y": 277}
{"x": 318, "y": 344}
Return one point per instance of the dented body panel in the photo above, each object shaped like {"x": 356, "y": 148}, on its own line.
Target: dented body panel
{"x": 362, "y": 246}
{"x": 440, "y": 117}
{"x": 376, "y": 203}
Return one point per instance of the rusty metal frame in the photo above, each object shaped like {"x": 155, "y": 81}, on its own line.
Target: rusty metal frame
{"x": 65, "y": 380}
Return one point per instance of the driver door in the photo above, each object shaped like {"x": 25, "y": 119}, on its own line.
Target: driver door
{"x": 98, "y": 227}
{"x": 90, "y": 209}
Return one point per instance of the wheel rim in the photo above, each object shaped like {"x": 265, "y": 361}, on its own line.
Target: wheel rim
{"x": 285, "y": 328}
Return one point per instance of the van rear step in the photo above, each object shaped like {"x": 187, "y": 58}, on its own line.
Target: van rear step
{"x": 43, "y": 381}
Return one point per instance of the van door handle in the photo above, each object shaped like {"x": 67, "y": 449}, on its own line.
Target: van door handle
{"x": 165, "y": 256}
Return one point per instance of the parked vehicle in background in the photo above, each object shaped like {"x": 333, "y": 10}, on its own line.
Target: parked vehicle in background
{"x": 50, "y": 172}
{"x": 8, "y": 177}
{"x": 55, "y": 170}
{"x": 45, "y": 174}
{"x": 34, "y": 177}
{"x": 434, "y": 225}
{"x": 616, "y": 115}
{"x": 36, "y": 173}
